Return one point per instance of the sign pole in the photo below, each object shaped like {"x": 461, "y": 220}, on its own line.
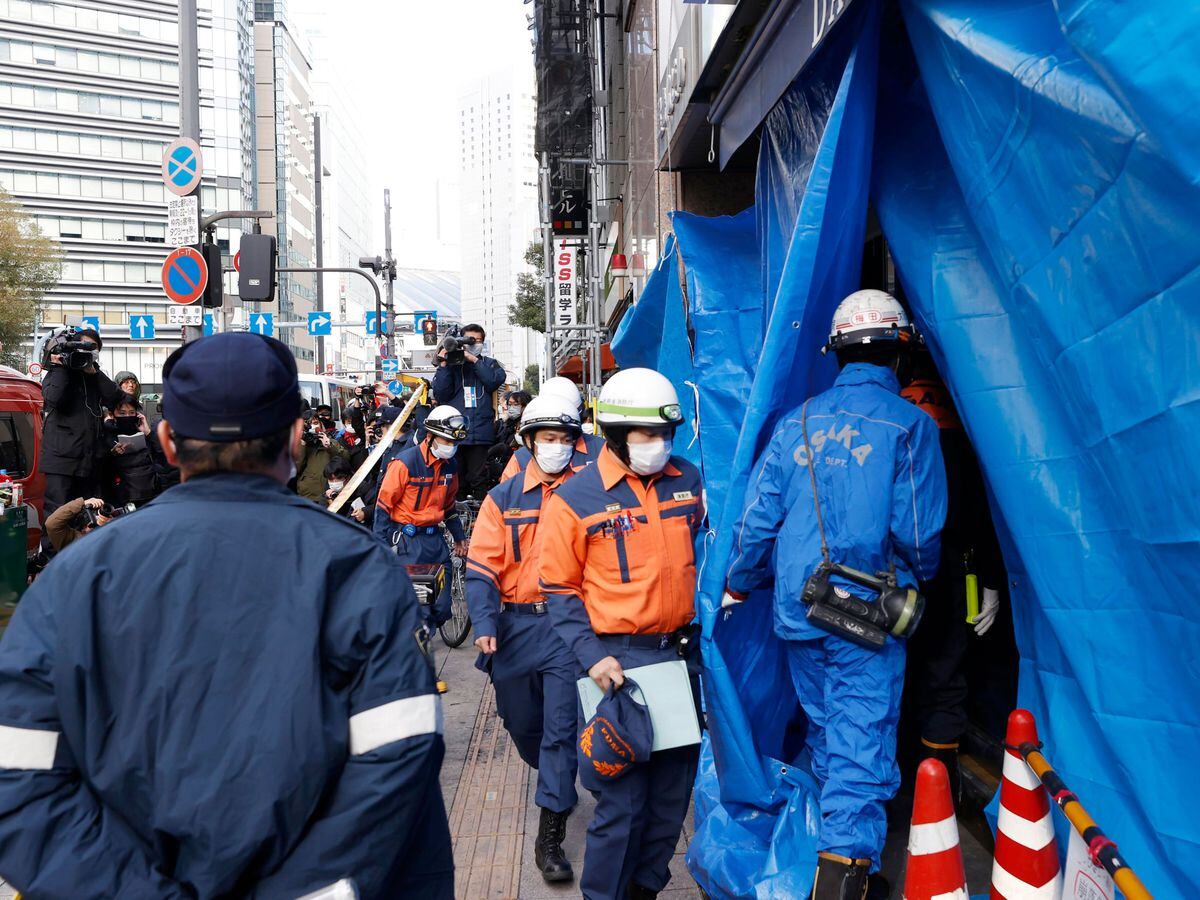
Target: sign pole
{"x": 189, "y": 107}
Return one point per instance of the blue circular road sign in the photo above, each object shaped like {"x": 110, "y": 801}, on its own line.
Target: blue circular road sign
{"x": 184, "y": 275}
{"x": 182, "y": 167}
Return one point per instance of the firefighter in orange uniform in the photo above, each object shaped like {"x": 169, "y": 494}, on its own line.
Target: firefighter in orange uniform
{"x": 617, "y": 570}
{"x": 417, "y": 495}
{"x": 587, "y": 446}
{"x": 533, "y": 672}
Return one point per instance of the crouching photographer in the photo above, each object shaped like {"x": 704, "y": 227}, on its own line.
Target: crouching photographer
{"x": 78, "y": 517}
{"x": 76, "y": 395}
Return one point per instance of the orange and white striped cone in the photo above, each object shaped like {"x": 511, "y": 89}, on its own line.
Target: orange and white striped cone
{"x": 935, "y": 863}
{"x": 1026, "y": 864}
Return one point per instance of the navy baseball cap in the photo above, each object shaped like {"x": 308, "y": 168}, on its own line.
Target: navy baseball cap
{"x": 229, "y": 387}
{"x": 386, "y": 415}
{"x": 618, "y": 736}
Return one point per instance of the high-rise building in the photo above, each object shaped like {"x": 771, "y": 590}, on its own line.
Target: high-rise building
{"x": 88, "y": 100}
{"x": 499, "y": 198}
{"x": 283, "y": 109}
{"x": 347, "y": 201}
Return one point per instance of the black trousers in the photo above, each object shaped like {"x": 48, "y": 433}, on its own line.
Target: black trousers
{"x": 472, "y": 471}
{"x": 937, "y": 676}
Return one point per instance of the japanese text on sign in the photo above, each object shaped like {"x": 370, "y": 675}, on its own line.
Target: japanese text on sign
{"x": 564, "y": 286}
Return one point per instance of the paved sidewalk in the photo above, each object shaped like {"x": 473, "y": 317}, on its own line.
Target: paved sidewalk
{"x": 489, "y": 797}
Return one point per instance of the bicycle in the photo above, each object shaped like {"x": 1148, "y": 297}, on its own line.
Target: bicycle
{"x": 455, "y": 630}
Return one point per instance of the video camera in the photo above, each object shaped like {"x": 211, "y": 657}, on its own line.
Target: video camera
{"x": 893, "y": 610}
{"x": 70, "y": 349}
{"x": 89, "y": 517}
{"x": 455, "y": 346}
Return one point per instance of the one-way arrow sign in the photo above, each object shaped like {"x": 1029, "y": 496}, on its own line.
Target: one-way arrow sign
{"x": 262, "y": 323}
{"x": 320, "y": 323}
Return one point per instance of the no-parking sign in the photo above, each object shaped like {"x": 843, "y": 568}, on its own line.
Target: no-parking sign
{"x": 184, "y": 275}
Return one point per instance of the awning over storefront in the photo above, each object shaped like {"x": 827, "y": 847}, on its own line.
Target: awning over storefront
{"x": 572, "y": 366}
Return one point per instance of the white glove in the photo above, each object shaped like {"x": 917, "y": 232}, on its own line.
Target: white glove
{"x": 987, "y": 614}
{"x": 729, "y": 600}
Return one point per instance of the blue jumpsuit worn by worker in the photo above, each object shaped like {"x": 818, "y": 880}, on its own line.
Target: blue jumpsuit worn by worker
{"x": 416, "y": 496}
{"x": 882, "y": 490}
{"x": 222, "y": 694}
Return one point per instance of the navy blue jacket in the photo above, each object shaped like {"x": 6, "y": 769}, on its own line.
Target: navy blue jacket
{"x": 450, "y": 385}
{"x": 221, "y": 695}
{"x": 882, "y": 488}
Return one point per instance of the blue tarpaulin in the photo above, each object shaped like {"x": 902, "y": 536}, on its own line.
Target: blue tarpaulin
{"x": 1035, "y": 168}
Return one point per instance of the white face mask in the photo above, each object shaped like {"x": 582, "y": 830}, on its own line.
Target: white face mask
{"x": 441, "y": 451}
{"x": 649, "y": 458}
{"x": 514, "y": 412}
{"x": 589, "y": 428}
{"x": 336, "y": 485}
{"x": 552, "y": 458}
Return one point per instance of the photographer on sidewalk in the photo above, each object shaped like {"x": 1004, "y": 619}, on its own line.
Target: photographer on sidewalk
{"x": 76, "y": 395}
{"x": 467, "y": 380}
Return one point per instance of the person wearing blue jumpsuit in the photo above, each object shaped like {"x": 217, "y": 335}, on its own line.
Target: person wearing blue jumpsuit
{"x": 220, "y": 694}
{"x": 882, "y": 490}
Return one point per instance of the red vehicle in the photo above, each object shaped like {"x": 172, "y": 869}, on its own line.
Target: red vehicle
{"x": 21, "y": 443}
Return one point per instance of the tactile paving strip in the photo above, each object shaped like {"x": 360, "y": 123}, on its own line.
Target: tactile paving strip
{"x": 487, "y": 820}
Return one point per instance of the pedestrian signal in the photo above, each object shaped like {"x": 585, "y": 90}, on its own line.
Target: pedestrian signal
{"x": 429, "y": 331}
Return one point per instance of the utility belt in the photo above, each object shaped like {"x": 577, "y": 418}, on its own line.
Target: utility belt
{"x": 409, "y": 530}
{"x": 537, "y": 608}
{"x": 681, "y": 639}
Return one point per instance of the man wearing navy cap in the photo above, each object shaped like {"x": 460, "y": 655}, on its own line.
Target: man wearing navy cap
{"x": 262, "y": 722}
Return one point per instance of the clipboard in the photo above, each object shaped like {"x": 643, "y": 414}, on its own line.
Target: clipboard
{"x": 668, "y": 692}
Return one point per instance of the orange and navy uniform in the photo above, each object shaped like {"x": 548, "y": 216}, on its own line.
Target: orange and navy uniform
{"x": 502, "y": 562}
{"x": 587, "y": 448}
{"x": 931, "y": 395}
{"x": 418, "y": 489}
{"x": 617, "y": 553}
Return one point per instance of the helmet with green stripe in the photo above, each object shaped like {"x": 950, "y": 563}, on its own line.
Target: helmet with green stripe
{"x": 638, "y": 397}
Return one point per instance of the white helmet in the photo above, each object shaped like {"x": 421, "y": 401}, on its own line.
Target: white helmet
{"x": 868, "y": 316}
{"x": 638, "y": 397}
{"x": 447, "y": 422}
{"x": 550, "y": 412}
{"x": 564, "y": 389}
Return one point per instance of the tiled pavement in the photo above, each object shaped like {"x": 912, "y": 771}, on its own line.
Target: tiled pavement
{"x": 489, "y": 798}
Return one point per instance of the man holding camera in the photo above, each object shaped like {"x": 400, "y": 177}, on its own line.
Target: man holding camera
{"x": 467, "y": 379}
{"x": 264, "y": 722}
{"x": 76, "y": 395}
{"x": 318, "y": 448}
{"x": 853, "y": 478}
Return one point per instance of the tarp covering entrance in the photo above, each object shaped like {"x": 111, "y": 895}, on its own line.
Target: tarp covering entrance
{"x": 1035, "y": 166}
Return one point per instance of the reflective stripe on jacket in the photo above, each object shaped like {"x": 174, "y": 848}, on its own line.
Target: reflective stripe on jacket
{"x": 502, "y": 565}
{"x": 617, "y": 555}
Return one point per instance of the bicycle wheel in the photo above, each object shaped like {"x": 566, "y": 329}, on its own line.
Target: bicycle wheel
{"x": 458, "y": 626}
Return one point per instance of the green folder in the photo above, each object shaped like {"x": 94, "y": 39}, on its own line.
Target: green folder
{"x": 668, "y": 693}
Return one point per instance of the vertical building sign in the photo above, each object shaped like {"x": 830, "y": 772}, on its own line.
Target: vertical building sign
{"x": 564, "y": 286}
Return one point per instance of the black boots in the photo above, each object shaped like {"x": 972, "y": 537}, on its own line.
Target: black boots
{"x": 547, "y": 851}
{"x": 840, "y": 878}
{"x": 947, "y": 755}
{"x": 637, "y": 892}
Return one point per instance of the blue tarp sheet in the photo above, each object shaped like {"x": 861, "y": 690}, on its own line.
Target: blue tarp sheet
{"x": 1035, "y": 167}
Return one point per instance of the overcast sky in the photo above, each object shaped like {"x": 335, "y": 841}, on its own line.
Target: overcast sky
{"x": 412, "y": 58}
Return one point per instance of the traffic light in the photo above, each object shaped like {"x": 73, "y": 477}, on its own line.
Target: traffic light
{"x": 429, "y": 330}
{"x": 256, "y": 267}
{"x": 214, "y": 291}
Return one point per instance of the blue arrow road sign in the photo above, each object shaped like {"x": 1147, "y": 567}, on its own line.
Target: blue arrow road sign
{"x": 373, "y": 323}
{"x": 141, "y": 328}
{"x": 210, "y": 327}
{"x": 92, "y": 322}
{"x": 262, "y": 323}
{"x": 320, "y": 323}
{"x": 390, "y": 364}
{"x": 396, "y": 387}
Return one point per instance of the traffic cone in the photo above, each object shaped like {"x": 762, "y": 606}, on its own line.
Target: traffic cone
{"x": 1026, "y": 863}
{"x": 935, "y": 862}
